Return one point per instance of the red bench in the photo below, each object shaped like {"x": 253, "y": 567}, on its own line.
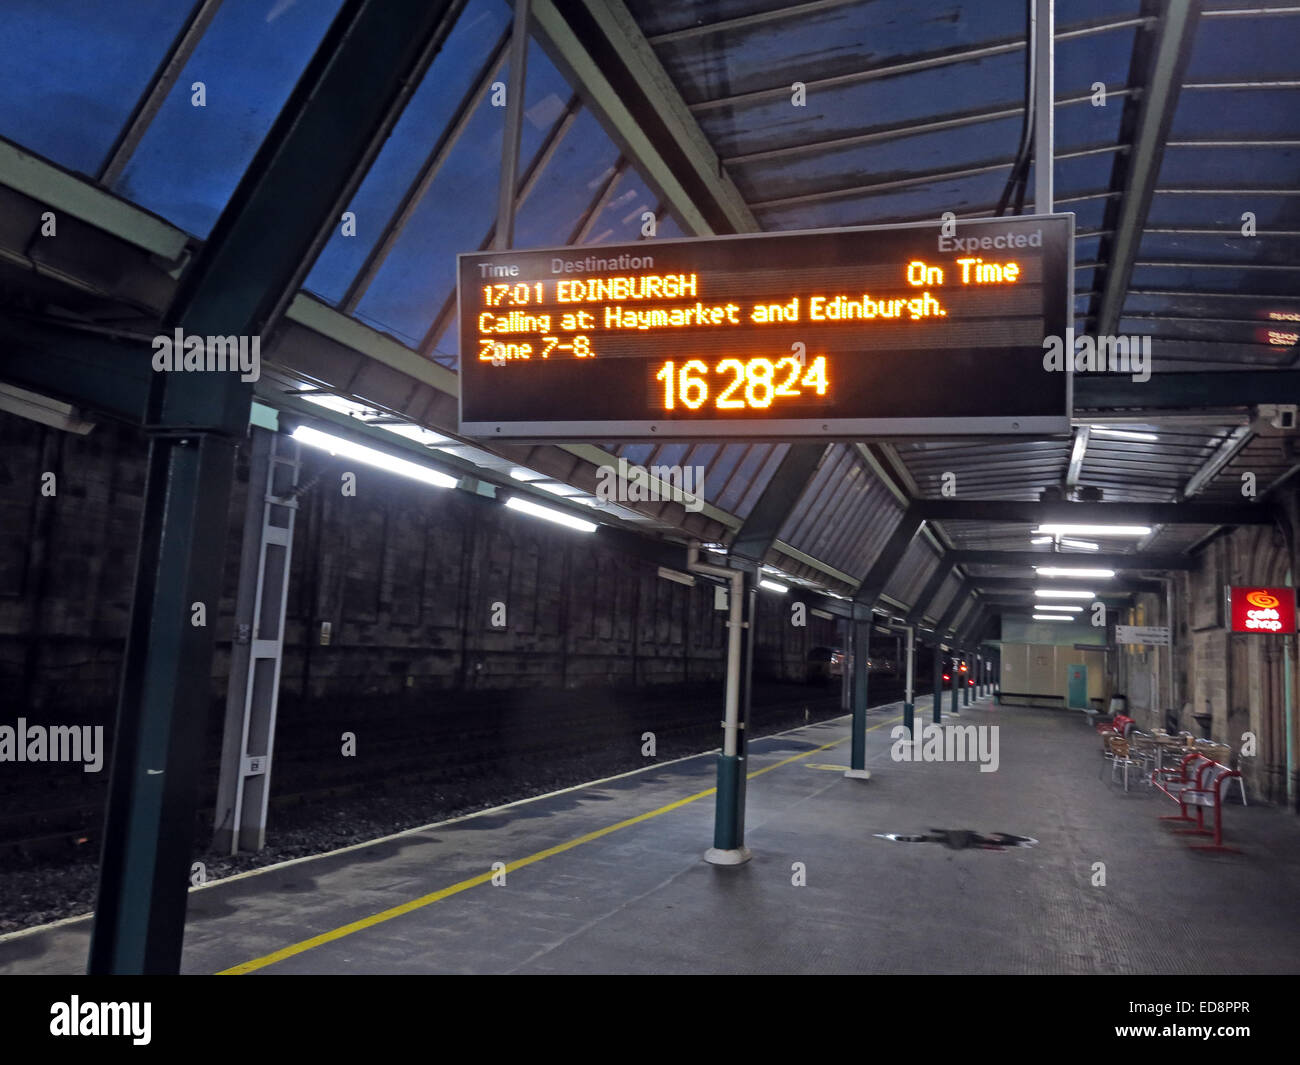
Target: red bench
{"x": 1197, "y": 781}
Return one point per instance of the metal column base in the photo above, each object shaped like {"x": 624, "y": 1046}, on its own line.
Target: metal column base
{"x": 858, "y": 774}
{"x": 729, "y": 813}
{"x": 737, "y": 856}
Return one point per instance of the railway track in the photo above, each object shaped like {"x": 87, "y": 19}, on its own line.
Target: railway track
{"x": 460, "y": 752}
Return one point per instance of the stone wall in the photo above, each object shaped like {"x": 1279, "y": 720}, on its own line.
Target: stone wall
{"x": 406, "y": 576}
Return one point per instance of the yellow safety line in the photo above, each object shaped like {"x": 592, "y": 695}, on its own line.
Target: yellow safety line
{"x": 483, "y": 878}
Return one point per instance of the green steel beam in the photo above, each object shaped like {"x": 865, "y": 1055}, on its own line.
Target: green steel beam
{"x": 308, "y": 163}
{"x": 943, "y": 626}
{"x": 310, "y": 312}
{"x": 74, "y": 195}
{"x": 758, "y": 534}
{"x": 890, "y": 556}
{"x": 607, "y": 58}
{"x": 91, "y": 371}
{"x": 1175, "y": 36}
{"x": 930, "y": 590}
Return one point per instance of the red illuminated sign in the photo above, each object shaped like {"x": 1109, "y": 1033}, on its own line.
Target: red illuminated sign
{"x": 1267, "y": 610}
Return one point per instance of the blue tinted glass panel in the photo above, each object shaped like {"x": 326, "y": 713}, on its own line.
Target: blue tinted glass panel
{"x": 637, "y": 453}
{"x": 970, "y": 195}
{"x": 759, "y": 482}
{"x": 750, "y": 465}
{"x": 1203, "y": 212}
{"x": 74, "y": 70}
{"x": 1083, "y": 61}
{"x": 719, "y": 470}
{"x": 1245, "y": 49}
{"x": 669, "y": 229}
{"x": 826, "y": 43}
{"x": 458, "y": 210}
{"x": 191, "y": 158}
{"x": 881, "y": 103}
{"x": 478, "y": 31}
{"x": 568, "y": 185}
{"x": 620, "y": 218}
{"x": 669, "y": 455}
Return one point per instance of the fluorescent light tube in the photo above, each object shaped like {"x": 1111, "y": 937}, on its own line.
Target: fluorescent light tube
{"x": 1125, "y": 434}
{"x": 1094, "y": 530}
{"x": 547, "y": 514}
{"x": 336, "y": 445}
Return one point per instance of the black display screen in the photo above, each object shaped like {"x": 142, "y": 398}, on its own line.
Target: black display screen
{"x": 925, "y": 329}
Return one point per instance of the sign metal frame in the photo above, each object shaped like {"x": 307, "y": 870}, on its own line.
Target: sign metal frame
{"x": 759, "y": 428}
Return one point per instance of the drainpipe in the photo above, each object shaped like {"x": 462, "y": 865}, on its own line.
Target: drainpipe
{"x": 1170, "y": 695}
{"x": 908, "y": 708}
{"x": 728, "y": 835}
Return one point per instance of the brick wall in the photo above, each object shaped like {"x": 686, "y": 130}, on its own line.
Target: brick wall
{"x": 406, "y": 576}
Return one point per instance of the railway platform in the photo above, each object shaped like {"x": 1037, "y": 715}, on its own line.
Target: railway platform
{"x": 609, "y": 877}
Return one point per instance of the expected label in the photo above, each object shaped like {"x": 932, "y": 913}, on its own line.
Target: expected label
{"x": 906, "y": 329}
{"x": 1266, "y": 610}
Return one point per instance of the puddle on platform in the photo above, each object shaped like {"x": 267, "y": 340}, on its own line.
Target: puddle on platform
{"x": 960, "y": 839}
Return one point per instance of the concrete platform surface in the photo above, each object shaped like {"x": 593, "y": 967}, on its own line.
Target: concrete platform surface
{"x": 609, "y": 877}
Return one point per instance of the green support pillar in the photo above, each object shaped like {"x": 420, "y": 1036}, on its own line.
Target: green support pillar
{"x": 858, "y": 745}
{"x": 938, "y": 683}
{"x": 909, "y": 696}
{"x": 163, "y": 706}
{"x": 729, "y": 809}
{"x": 746, "y": 688}
{"x": 955, "y": 683}
{"x": 332, "y": 125}
{"x": 965, "y": 681}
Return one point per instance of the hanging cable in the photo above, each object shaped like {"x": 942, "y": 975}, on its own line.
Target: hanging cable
{"x": 1020, "y": 169}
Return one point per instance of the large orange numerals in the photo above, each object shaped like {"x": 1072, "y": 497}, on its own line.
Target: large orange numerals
{"x": 667, "y": 374}
{"x": 738, "y": 368}
{"x": 495, "y": 295}
{"x": 815, "y": 378}
{"x": 759, "y": 387}
{"x": 691, "y": 390}
{"x": 753, "y": 384}
{"x": 788, "y": 387}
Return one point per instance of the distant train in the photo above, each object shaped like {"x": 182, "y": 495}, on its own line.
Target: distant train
{"x": 828, "y": 663}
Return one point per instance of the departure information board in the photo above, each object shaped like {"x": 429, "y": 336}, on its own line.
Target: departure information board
{"x": 923, "y": 329}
